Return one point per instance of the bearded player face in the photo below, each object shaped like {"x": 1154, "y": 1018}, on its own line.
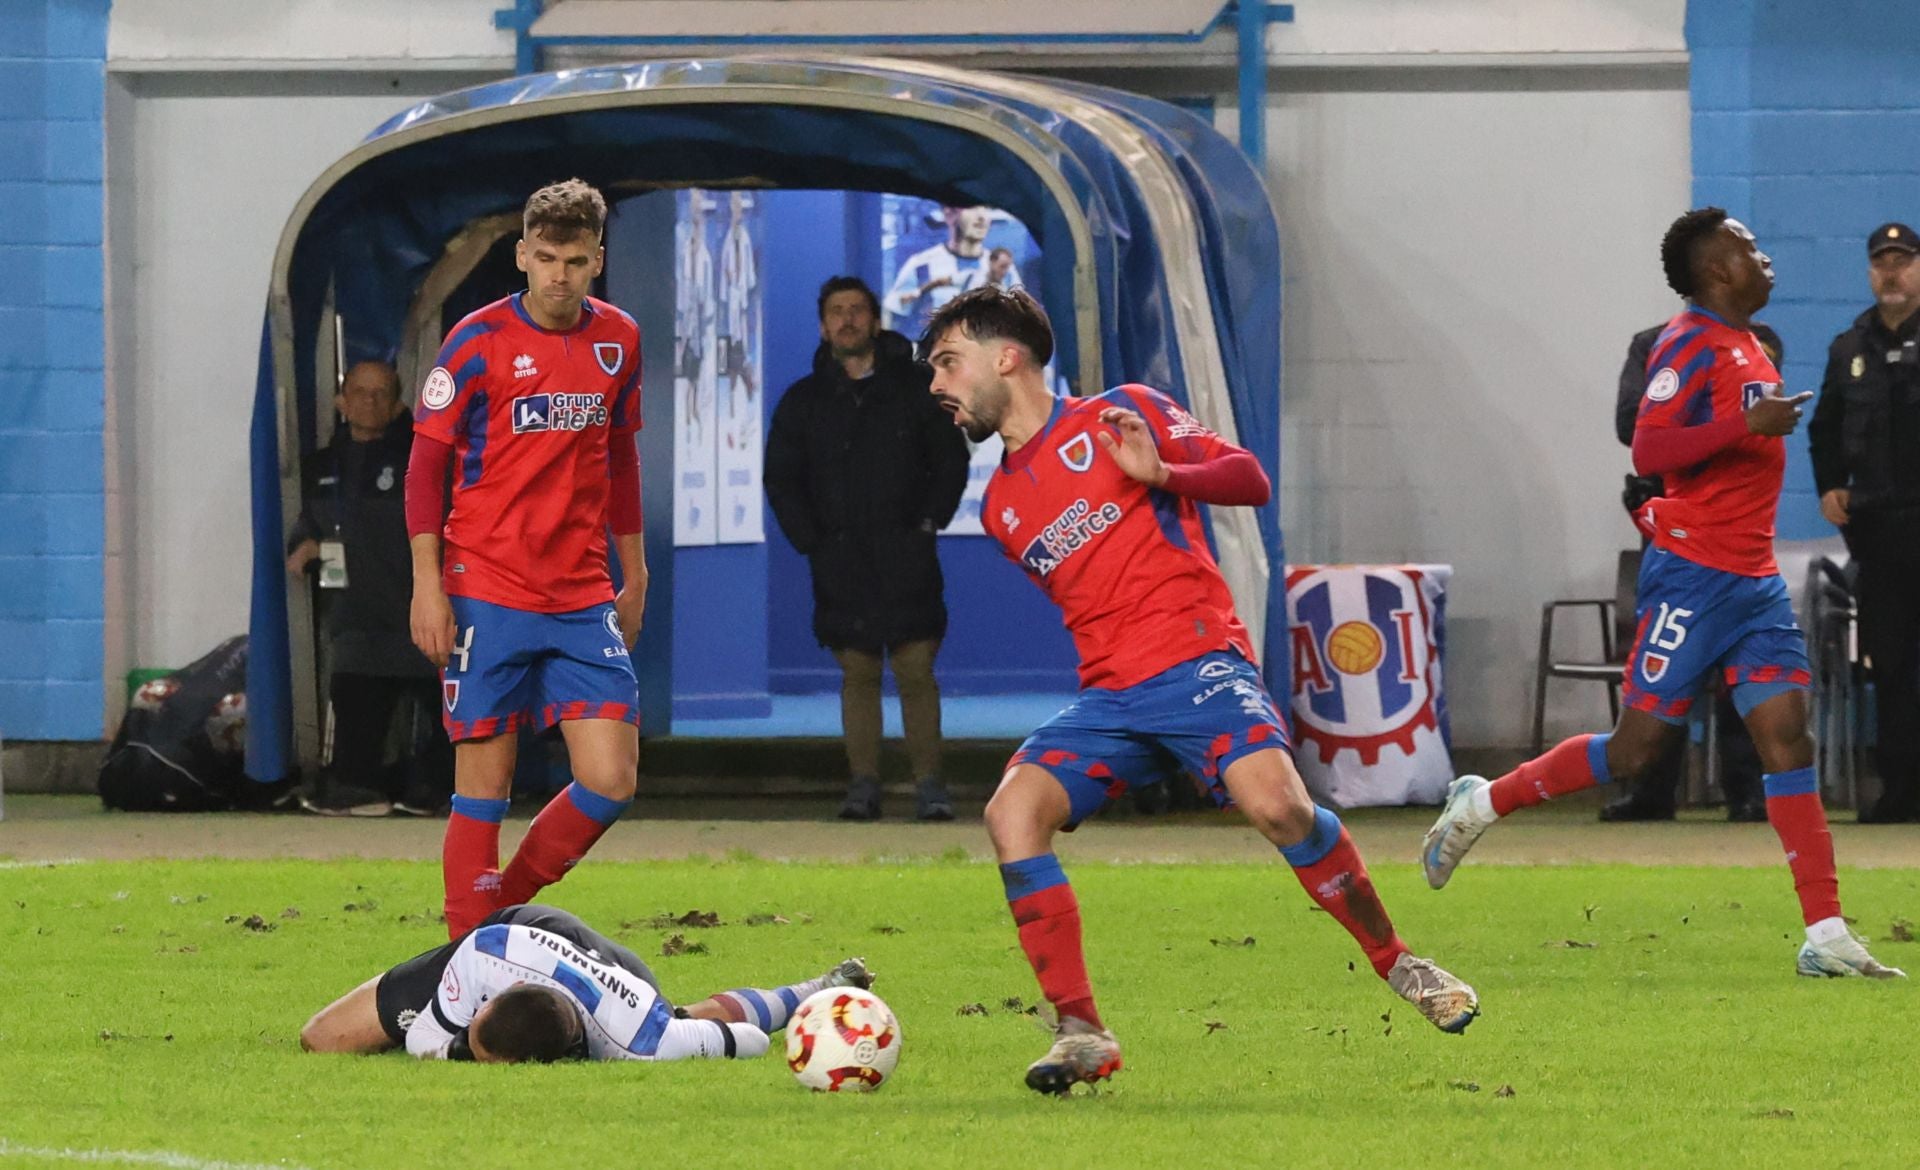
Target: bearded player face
{"x": 970, "y": 380}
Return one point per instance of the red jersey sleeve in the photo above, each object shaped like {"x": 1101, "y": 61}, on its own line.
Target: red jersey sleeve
{"x": 448, "y": 395}
{"x": 626, "y": 403}
{"x": 1682, "y": 382}
{"x": 1180, "y": 437}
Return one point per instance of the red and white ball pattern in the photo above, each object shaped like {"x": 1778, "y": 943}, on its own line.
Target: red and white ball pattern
{"x": 843, "y": 1040}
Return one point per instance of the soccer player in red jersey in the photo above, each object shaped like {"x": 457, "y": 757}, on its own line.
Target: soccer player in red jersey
{"x": 534, "y": 403}
{"x": 1713, "y": 422}
{"x": 1097, "y": 499}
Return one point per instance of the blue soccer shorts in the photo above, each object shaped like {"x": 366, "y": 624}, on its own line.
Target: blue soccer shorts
{"x": 1195, "y": 718}
{"x": 511, "y": 668}
{"x": 1693, "y": 620}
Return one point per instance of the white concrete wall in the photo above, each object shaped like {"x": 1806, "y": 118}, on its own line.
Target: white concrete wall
{"x": 213, "y": 177}
{"x": 1467, "y": 252}
{"x": 1462, "y": 273}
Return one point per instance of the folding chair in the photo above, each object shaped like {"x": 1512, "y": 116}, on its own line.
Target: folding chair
{"x": 1616, "y": 616}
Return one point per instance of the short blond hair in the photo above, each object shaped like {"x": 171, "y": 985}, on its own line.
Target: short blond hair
{"x": 559, "y": 212}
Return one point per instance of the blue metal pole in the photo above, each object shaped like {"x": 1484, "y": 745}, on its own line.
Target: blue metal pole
{"x": 520, "y": 18}
{"x": 1251, "y": 18}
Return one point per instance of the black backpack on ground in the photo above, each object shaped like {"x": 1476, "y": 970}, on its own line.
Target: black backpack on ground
{"x": 182, "y": 745}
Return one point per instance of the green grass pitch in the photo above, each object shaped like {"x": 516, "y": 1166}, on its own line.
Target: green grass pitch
{"x": 1632, "y": 1017}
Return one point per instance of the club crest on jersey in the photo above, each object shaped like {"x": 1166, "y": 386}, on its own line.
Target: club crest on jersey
{"x": 450, "y": 691}
{"x": 1077, "y": 452}
{"x": 1664, "y": 385}
{"x": 1366, "y": 663}
{"x": 613, "y": 627}
{"x": 1653, "y": 667}
{"x": 609, "y": 354}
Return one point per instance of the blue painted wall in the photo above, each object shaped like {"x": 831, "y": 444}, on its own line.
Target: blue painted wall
{"x": 52, "y": 368}
{"x": 1806, "y": 125}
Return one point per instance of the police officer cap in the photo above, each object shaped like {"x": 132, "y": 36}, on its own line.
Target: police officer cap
{"x": 1892, "y": 235}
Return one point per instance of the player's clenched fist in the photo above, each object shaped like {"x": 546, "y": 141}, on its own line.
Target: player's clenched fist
{"x": 431, "y": 620}
{"x": 1135, "y": 452}
{"x": 1774, "y": 415}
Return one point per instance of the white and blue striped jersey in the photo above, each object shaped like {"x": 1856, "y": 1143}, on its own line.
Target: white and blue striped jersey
{"x": 624, "y": 1017}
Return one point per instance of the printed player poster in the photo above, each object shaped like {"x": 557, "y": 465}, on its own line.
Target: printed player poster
{"x": 696, "y": 370}
{"x": 738, "y": 416}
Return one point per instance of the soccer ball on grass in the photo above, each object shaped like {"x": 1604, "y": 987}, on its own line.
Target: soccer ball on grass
{"x": 843, "y": 1040}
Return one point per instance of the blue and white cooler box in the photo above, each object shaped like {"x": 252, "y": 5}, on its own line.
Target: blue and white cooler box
{"x": 1369, "y": 712}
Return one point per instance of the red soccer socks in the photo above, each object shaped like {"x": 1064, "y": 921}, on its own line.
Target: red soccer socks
{"x": 556, "y": 841}
{"x": 1330, "y": 869}
{"x": 1048, "y": 916}
{"x": 470, "y": 862}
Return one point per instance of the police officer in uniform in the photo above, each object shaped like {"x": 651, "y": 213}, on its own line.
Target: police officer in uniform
{"x": 1865, "y": 436}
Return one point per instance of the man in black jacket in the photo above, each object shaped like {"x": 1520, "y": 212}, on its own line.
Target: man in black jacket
{"x": 862, "y": 470}
{"x": 1865, "y": 436}
{"x": 352, "y": 535}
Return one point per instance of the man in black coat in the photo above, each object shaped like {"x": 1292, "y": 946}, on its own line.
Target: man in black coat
{"x": 1865, "y": 436}
{"x": 862, "y": 470}
{"x": 352, "y": 536}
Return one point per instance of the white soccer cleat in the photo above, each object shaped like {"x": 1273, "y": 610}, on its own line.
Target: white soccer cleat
{"x": 1081, "y": 1054}
{"x": 1842, "y": 958}
{"x": 1445, "y": 999}
{"x": 849, "y": 973}
{"x": 1455, "y": 832}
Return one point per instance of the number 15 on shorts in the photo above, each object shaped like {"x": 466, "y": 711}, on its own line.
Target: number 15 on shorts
{"x": 1668, "y": 633}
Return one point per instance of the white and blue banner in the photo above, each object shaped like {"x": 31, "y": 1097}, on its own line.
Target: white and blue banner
{"x": 1369, "y": 710}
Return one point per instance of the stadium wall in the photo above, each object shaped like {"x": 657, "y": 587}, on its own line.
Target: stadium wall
{"x": 1806, "y": 124}
{"x": 54, "y": 428}
{"x": 1443, "y": 308}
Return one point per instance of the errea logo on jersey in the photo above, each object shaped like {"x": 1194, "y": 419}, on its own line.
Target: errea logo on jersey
{"x": 523, "y": 366}
{"x": 558, "y": 412}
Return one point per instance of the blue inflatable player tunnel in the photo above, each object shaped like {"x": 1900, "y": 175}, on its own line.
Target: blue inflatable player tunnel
{"x": 1160, "y": 253}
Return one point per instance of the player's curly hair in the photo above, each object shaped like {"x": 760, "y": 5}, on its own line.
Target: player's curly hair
{"x": 993, "y": 313}
{"x": 1680, "y": 248}
{"x": 561, "y": 212}
{"x": 528, "y": 1022}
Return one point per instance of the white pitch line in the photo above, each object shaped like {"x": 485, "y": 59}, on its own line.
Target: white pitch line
{"x": 49, "y": 863}
{"x": 137, "y": 1157}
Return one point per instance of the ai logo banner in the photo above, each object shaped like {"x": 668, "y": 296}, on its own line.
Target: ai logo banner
{"x": 1369, "y": 711}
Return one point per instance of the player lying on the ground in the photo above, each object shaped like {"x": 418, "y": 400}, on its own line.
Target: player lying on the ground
{"x": 533, "y": 983}
{"x": 1714, "y": 423}
{"x": 1096, "y": 498}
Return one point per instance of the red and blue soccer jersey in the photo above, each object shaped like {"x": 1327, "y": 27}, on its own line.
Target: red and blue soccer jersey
{"x": 1719, "y": 513}
{"x": 1128, "y": 565}
{"x": 530, "y": 413}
